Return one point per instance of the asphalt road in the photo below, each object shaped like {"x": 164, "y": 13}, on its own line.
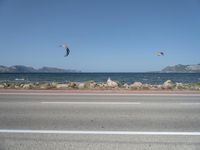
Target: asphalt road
{"x": 98, "y": 122}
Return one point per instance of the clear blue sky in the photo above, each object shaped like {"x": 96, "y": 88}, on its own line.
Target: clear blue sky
{"x": 103, "y": 35}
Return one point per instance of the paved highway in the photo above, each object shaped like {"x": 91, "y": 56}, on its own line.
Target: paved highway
{"x": 98, "y": 121}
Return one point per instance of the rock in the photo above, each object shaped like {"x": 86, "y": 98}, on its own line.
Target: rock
{"x": 102, "y": 85}
{"x": 1, "y": 86}
{"x": 21, "y": 85}
{"x": 26, "y": 86}
{"x": 61, "y": 86}
{"x": 53, "y": 84}
{"x": 11, "y": 85}
{"x": 37, "y": 83}
{"x": 154, "y": 87}
{"x": 45, "y": 86}
{"x": 136, "y": 85}
{"x": 179, "y": 86}
{"x": 187, "y": 86}
{"x": 146, "y": 86}
{"x": 17, "y": 86}
{"x": 81, "y": 85}
{"x": 126, "y": 86}
{"x": 111, "y": 83}
{"x": 5, "y": 85}
{"x": 90, "y": 84}
{"x": 72, "y": 85}
{"x": 196, "y": 88}
{"x": 168, "y": 84}
{"x": 159, "y": 87}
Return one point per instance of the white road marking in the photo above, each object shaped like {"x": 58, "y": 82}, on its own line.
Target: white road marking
{"x": 108, "y": 103}
{"x": 99, "y": 132}
{"x": 190, "y": 103}
{"x": 94, "y": 103}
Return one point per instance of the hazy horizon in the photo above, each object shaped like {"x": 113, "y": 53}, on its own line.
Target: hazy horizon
{"x": 103, "y": 36}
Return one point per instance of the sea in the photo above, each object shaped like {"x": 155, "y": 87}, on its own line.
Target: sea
{"x": 148, "y": 78}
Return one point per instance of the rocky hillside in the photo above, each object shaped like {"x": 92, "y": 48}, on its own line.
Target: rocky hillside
{"x": 182, "y": 68}
{"x": 24, "y": 69}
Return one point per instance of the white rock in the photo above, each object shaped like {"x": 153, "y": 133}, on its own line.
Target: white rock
{"x": 61, "y": 86}
{"x": 81, "y": 85}
{"x": 90, "y": 85}
{"x": 160, "y": 87}
{"x": 1, "y": 86}
{"x": 26, "y": 86}
{"x": 44, "y": 86}
{"x": 168, "y": 84}
{"x": 111, "y": 83}
{"x": 179, "y": 85}
{"x": 102, "y": 85}
{"x": 17, "y": 86}
{"x": 126, "y": 86}
{"x": 53, "y": 84}
{"x": 72, "y": 84}
{"x": 136, "y": 85}
{"x": 146, "y": 86}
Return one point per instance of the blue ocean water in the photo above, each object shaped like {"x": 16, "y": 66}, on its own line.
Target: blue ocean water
{"x": 150, "y": 78}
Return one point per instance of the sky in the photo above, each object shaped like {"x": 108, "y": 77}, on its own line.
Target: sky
{"x": 103, "y": 35}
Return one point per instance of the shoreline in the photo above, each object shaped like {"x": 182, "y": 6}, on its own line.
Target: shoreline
{"x": 110, "y": 85}
{"x": 127, "y": 92}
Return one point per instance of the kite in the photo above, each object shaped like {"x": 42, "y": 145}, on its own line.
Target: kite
{"x": 66, "y": 48}
{"x": 159, "y": 53}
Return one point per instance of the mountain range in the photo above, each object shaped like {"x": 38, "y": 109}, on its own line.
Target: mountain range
{"x": 182, "y": 69}
{"x": 27, "y": 69}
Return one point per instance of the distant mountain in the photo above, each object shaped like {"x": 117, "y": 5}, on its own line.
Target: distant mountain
{"x": 24, "y": 69}
{"x": 53, "y": 69}
{"x": 182, "y": 68}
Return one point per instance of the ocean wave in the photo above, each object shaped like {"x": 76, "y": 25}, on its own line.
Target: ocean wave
{"x": 19, "y": 79}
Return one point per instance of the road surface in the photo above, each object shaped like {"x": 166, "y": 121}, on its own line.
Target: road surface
{"x": 99, "y": 121}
